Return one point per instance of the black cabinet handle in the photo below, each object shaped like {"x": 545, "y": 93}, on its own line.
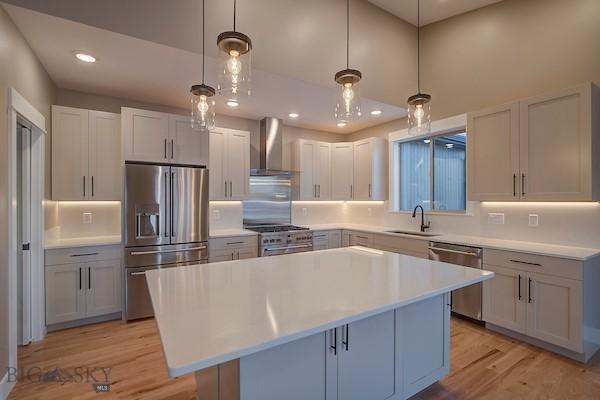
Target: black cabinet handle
{"x": 172, "y": 146}
{"x": 89, "y": 278}
{"x": 334, "y": 345}
{"x": 514, "y": 185}
{"x": 165, "y": 148}
{"x": 92, "y": 185}
{"x": 84, "y": 186}
{"x": 347, "y": 341}
{"x": 529, "y": 291}
{"x": 79, "y": 278}
{"x": 520, "y": 287}
{"x": 522, "y": 184}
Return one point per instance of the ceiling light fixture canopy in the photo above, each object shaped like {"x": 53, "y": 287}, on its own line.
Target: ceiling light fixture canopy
{"x": 347, "y": 107}
{"x": 419, "y": 105}
{"x": 203, "y": 103}
{"x": 235, "y": 62}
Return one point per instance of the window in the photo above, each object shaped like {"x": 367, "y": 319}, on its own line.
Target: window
{"x": 432, "y": 173}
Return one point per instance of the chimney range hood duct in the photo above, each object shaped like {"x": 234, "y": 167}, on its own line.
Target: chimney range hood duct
{"x": 271, "y": 148}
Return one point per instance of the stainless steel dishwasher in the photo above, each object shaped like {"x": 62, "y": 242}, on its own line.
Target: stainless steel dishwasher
{"x": 465, "y": 301}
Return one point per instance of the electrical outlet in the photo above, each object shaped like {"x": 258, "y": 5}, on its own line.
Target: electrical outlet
{"x": 534, "y": 220}
{"x": 87, "y": 217}
{"x": 216, "y": 214}
{"x": 370, "y": 212}
{"x": 496, "y": 218}
{"x": 304, "y": 211}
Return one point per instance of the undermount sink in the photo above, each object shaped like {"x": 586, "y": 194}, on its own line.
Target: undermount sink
{"x": 415, "y": 233}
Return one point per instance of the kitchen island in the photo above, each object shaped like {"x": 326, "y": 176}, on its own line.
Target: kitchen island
{"x": 351, "y": 323}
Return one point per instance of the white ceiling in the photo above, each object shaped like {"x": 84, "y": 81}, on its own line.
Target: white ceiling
{"x": 141, "y": 70}
{"x": 431, "y": 10}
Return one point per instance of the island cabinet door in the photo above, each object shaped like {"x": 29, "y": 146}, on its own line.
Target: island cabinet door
{"x": 422, "y": 343}
{"x": 366, "y": 359}
{"x": 292, "y": 371}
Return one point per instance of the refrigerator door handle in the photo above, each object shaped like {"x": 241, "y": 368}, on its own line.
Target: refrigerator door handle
{"x": 167, "y": 207}
{"x": 172, "y": 204}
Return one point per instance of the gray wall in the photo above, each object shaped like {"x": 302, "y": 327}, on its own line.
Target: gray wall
{"x": 20, "y": 69}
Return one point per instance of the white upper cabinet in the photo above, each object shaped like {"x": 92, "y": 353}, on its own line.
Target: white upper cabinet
{"x": 540, "y": 149}
{"x": 370, "y": 169}
{"x": 342, "y": 171}
{"x": 229, "y": 164}
{"x": 86, "y": 156}
{"x": 312, "y": 160}
{"x": 151, "y": 136}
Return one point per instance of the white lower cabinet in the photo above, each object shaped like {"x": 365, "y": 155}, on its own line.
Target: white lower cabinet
{"x": 90, "y": 287}
{"x": 323, "y": 240}
{"x": 503, "y": 300}
{"x": 232, "y": 248}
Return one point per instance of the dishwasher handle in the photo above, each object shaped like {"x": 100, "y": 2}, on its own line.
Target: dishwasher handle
{"x": 464, "y": 253}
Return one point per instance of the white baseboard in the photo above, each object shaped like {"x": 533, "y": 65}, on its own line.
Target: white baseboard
{"x": 5, "y": 387}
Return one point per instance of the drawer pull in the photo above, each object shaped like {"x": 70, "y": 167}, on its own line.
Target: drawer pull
{"x": 138, "y": 273}
{"x": 526, "y": 262}
{"x": 84, "y": 254}
{"x": 230, "y": 243}
{"x": 143, "y": 253}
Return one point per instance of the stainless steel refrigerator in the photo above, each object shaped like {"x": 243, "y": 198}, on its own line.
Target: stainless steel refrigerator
{"x": 166, "y": 225}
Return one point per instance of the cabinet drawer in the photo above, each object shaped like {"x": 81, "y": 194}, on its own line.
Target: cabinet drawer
{"x": 321, "y": 236}
{"x": 73, "y": 255}
{"x": 561, "y": 267}
{"x": 233, "y": 242}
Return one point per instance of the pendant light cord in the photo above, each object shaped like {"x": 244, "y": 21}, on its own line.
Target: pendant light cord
{"x": 234, "y": 10}
{"x": 419, "y": 46}
{"x": 347, "y": 34}
{"x": 203, "y": 36}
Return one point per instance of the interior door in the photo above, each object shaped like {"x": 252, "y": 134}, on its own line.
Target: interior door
{"x": 366, "y": 364}
{"x": 342, "y": 171}
{"x": 24, "y": 233}
{"x": 70, "y": 153}
{"x": 308, "y": 188}
{"x": 238, "y": 164}
{"x": 493, "y": 154}
{"x": 556, "y": 146}
{"x": 189, "y": 205}
{"x": 105, "y": 180}
{"x": 362, "y": 170}
{"x": 188, "y": 146}
{"x": 219, "y": 187}
{"x": 323, "y": 172}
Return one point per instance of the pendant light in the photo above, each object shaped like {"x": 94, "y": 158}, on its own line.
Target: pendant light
{"x": 347, "y": 107}
{"x": 419, "y": 105}
{"x": 203, "y": 103}
{"x": 234, "y": 63}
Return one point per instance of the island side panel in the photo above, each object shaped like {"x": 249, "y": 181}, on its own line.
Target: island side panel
{"x": 422, "y": 344}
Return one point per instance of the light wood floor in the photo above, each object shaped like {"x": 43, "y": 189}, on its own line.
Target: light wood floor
{"x": 485, "y": 365}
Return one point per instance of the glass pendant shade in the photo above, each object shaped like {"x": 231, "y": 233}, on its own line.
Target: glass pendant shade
{"x": 203, "y": 107}
{"x": 419, "y": 114}
{"x": 347, "y": 106}
{"x": 235, "y": 65}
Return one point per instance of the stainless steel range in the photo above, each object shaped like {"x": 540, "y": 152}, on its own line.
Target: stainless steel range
{"x": 282, "y": 239}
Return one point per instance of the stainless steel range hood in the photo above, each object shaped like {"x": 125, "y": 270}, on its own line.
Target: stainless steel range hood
{"x": 271, "y": 149}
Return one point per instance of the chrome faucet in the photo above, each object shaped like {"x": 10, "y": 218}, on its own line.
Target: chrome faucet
{"x": 423, "y": 225}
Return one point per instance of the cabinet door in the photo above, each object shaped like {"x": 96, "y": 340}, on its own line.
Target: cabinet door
{"x": 362, "y": 170}
{"x": 556, "y": 145}
{"x": 188, "y": 146}
{"x": 554, "y": 310}
{"x": 238, "y": 164}
{"x": 335, "y": 239}
{"x": 248, "y": 252}
{"x": 217, "y": 166}
{"x": 65, "y": 293}
{"x": 105, "y": 156}
{"x": 103, "y": 295}
{"x": 342, "y": 171}
{"x": 146, "y": 135}
{"x": 493, "y": 153}
{"x": 292, "y": 371}
{"x": 307, "y": 166}
{"x": 366, "y": 364}
{"x": 222, "y": 255}
{"x": 323, "y": 171}
{"x": 504, "y": 298}
{"x": 70, "y": 163}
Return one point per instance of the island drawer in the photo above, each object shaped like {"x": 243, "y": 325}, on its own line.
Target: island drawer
{"x": 233, "y": 242}
{"x": 562, "y": 267}
{"x": 73, "y": 255}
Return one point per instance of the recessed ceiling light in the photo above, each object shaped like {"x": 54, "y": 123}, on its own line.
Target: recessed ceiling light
{"x": 376, "y": 112}
{"x": 85, "y": 57}
{"x": 293, "y": 115}
{"x": 232, "y": 103}
{"x": 341, "y": 124}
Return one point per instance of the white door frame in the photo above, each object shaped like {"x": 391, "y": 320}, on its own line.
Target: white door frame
{"x": 20, "y": 109}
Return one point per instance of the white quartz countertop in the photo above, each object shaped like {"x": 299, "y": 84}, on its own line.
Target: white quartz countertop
{"x": 543, "y": 249}
{"x": 216, "y": 233}
{"x": 62, "y": 243}
{"x": 212, "y": 313}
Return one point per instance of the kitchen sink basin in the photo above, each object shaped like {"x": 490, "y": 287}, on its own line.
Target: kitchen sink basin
{"x": 415, "y": 233}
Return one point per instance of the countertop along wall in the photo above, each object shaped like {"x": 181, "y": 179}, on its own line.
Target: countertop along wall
{"x": 20, "y": 69}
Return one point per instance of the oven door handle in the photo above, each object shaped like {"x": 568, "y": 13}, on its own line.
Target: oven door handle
{"x": 303, "y": 246}
{"x": 143, "y": 253}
